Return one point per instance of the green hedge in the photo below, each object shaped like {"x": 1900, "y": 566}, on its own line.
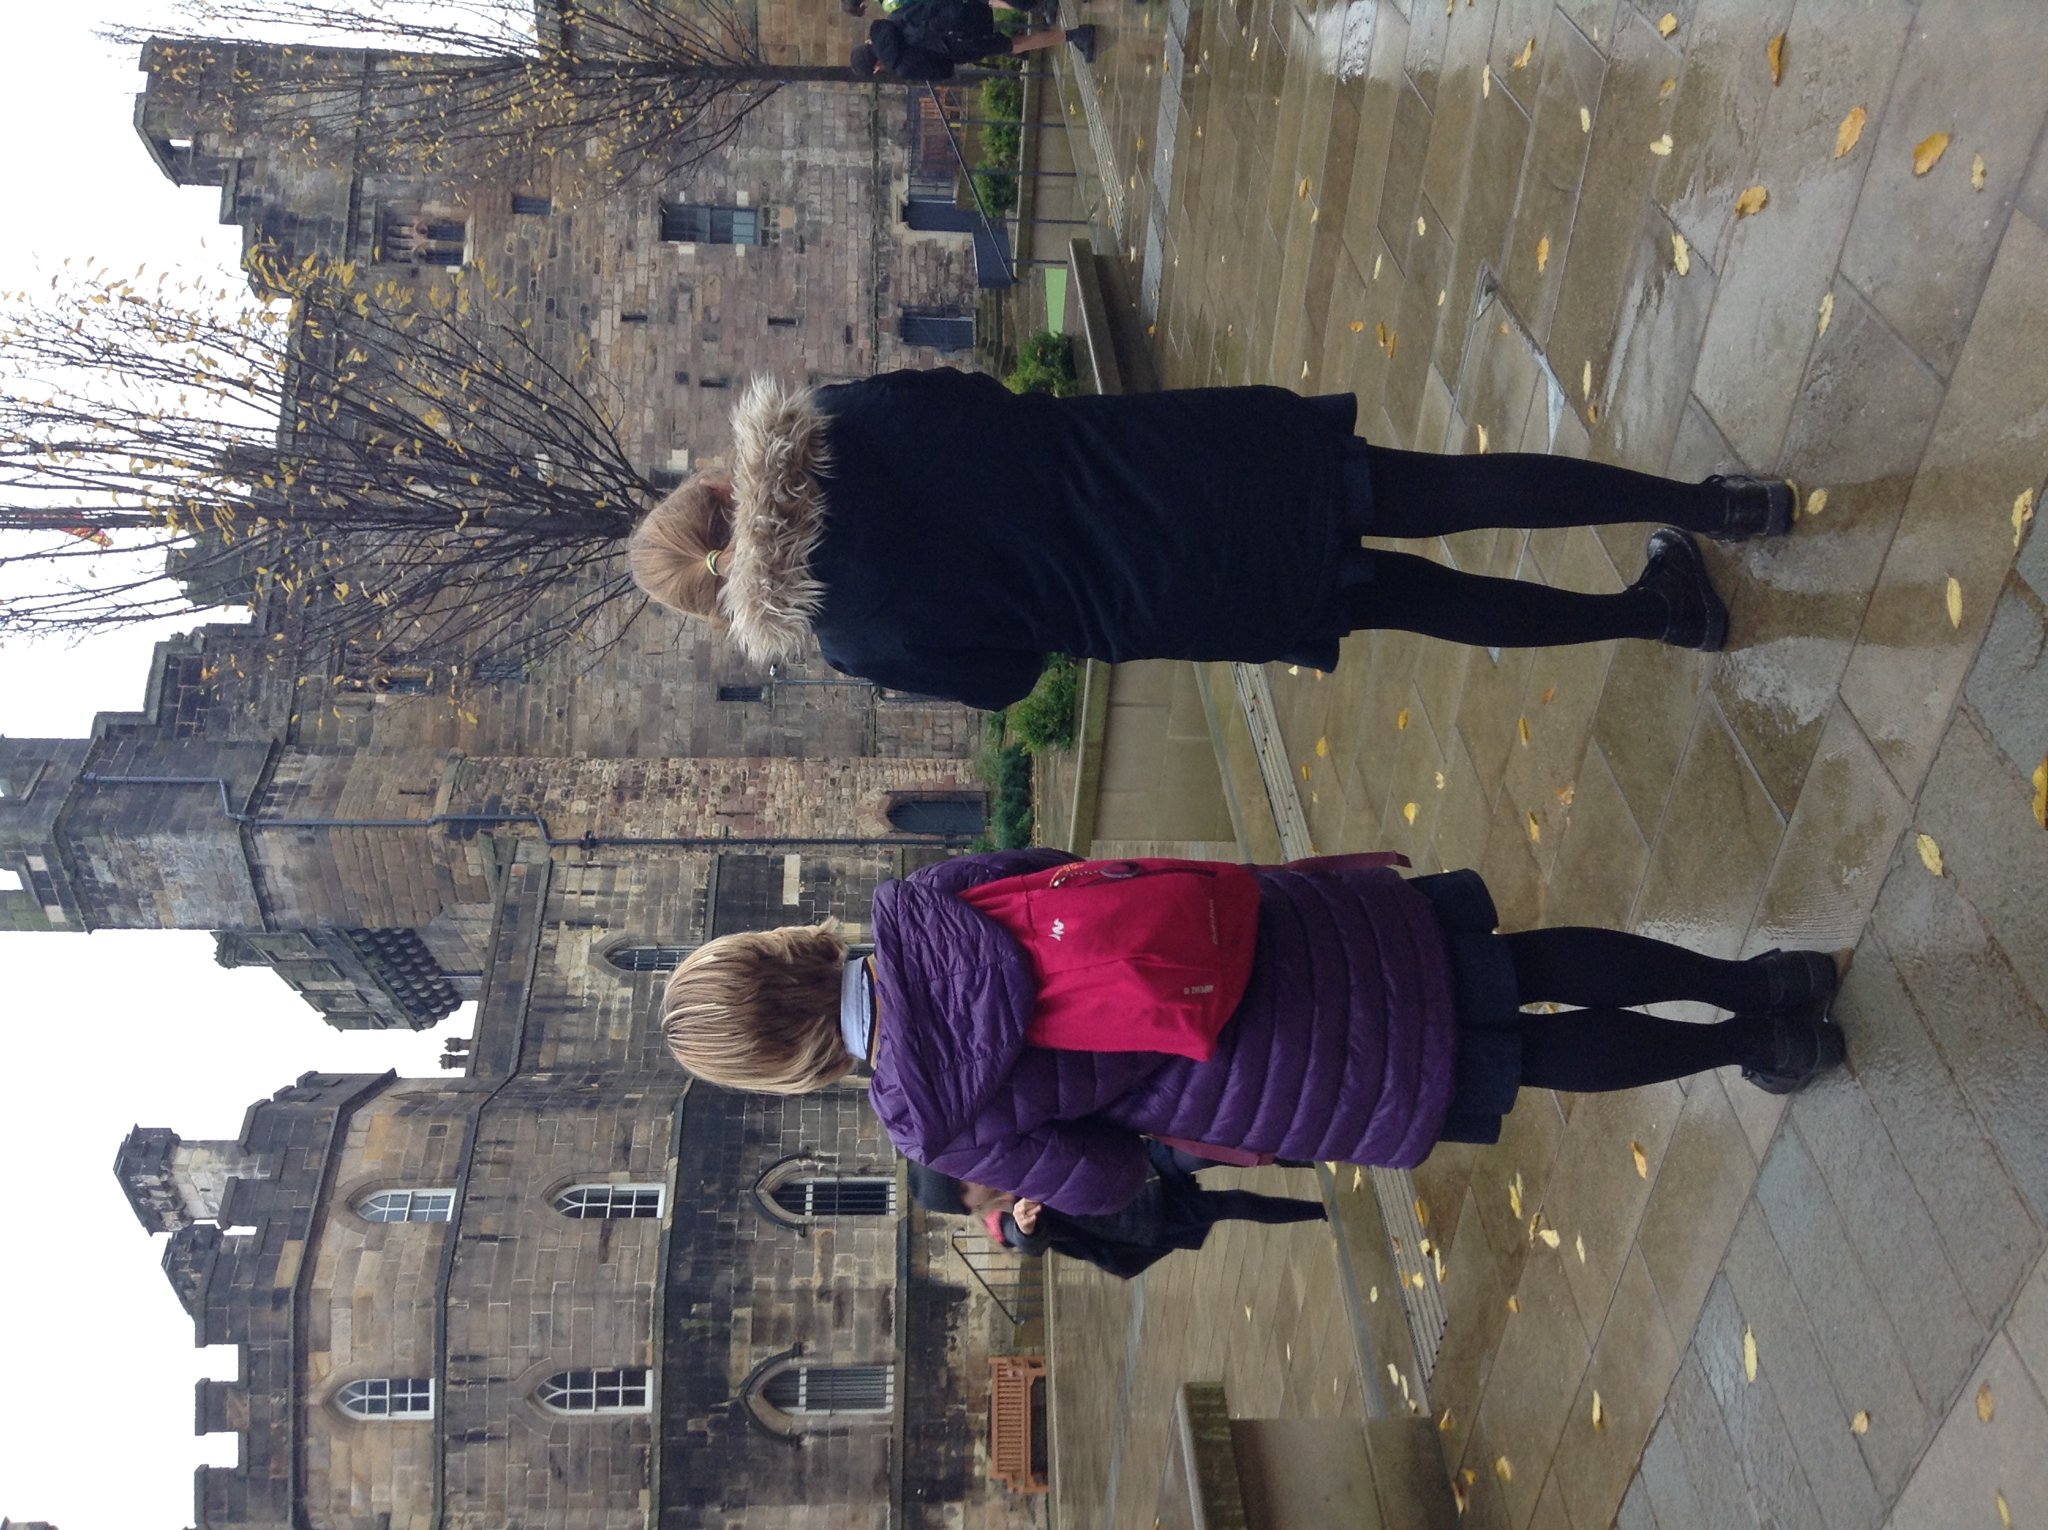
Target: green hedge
{"x": 1011, "y": 822}
{"x": 1045, "y": 364}
{"x": 1045, "y": 719}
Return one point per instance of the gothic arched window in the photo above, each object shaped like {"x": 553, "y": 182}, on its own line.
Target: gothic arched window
{"x": 835, "y": 1197}
{"x": 388, "y": 1397}
{"x": 831, "y": 1389}
{"x": 585, "y": 1202}
{"x": 956, "y": 815}
{"x": 624, "y": 1390}
{"x": 407, "y": 1206}
{"x": 647, "y": 958}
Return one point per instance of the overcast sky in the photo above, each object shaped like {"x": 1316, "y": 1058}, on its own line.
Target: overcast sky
{"x": 117, "y": 1028}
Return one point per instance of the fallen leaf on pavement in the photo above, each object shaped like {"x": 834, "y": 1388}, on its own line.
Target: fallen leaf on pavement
{"x": 1322, "y": 748}
{"x": 1579, "y": 1246}
{"x": 1749, "y": 1354}
{"x": 1681, "y": 255}
{"x": 1635, "y": 1151}
{"x": 1536, "y": 838}
{"x": 1514, "y": 1304}
{"x": 1301, "y": 191}
{"x": 1445, "y": 1423}
{"x": 1401, "y": 718}
{"x": 1777, "y": 55}
{"x": 1977, "y": 176}
{"x": 1550, "y": 694}
{"x": 1661, "y": 145}
{"x": 1551, "y": 1236}
{"x": 1515, "y": 1196}
{"x": 1522, "y": 730}
{"x": 2022, "y": 512}
{"x": 1930, "y": 857}
{"x": 1408, "y": 811}
{"x": 1664, "y": 90}
{"x": 1666, "y": 24}
{"x": 1850, "y": 130}
{"x": 1860, "y": 1424}
{"x": 1816, "y": 502}
{"x": 1987, "y": 1405}
{"x": 1599, "y": 1417}
{"x": 1358, "y": 326}
{"x": 1439, "y": 780}
{"x": 1565, "y": 794}
{"x": 1528, "y": 52}
{"x": 1929, "y": 151}
{"x": 1827, "y": 312}
{"x": 1486, "y": 82}
{"x": 1751, "y": 202}
{"x": 1585, "y": 120}
{"x": 1542, "y": 252}
{"x": 2041, "y": 793}
{"x": 1482, "y": 436}
{"x": 1504, "y": 1469}
{"x": 1955, "y": 601}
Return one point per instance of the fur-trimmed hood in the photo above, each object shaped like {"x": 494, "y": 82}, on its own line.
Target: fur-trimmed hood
{"x": 779, "y": 451}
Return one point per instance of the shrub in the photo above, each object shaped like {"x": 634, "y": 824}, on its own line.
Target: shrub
{"x": 998, "y": 191}
{"x": 1045, "y": 719}
{"x": 1011, "y": 820}
{"x": 1003, "y": 98}
{"x": 1045, "y": 364}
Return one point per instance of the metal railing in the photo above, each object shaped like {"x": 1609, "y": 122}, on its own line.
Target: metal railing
{"x": 1016, "y": 1284}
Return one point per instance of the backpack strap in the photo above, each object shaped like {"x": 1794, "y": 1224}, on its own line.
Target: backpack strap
{"x": 1357, "y": 860}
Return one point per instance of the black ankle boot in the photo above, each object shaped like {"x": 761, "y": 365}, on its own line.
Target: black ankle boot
{"x": 1797, "y": 981}
{"x": 1796, "y": 1050}
{"x": 1756, "y": 507}
{"x": 1675, "y": 572}
{"x": 1083, "y": 40}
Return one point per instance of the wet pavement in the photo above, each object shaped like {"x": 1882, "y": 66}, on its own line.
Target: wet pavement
{"x": 1513, "y": 224}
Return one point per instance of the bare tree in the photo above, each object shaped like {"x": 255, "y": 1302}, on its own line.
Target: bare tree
{"x": 365, "y": 462}
{"x": 628, "y": 89}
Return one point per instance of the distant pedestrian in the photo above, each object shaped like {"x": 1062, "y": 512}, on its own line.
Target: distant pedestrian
{"x": 936, "y": 533}
{"x": 931, "y": 39}
{"x": 1324, "y": 1010}
{"x": 1170, "y": 1211}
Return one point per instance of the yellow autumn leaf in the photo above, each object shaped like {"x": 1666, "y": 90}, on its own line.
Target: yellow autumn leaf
{"x": 2022, "y": 512}
{"x": 1579, "y": 1246}
{"x": 1751, "y": 202}
{"x": 1535, "y": 830}
{"x": 1585, "y": 120}
{"x": 1514, "y": 1303}
{"x": 1930, "y": 853}
{"x": 1850, "y": 131}
{"x": 1380, "y": 333}
{"x": 1515, "y": 1196}
{"x": 1504, "y": 1469}
{"x": 1860, "y": 1424}
{"x": 1565, "y": 794}
{"x": 1446, "y": 1423}
{"x": 2041, "y": 793}
{"x": 1528, "y": 52}
{"x": 1482, "y": 437}
{"x": 1954, "y": 598}
{"x": 1393, "y": 345}
{"x": 1358, "y": 326}
{"x": 1816, "y": 502}
{"x": 1749, "y": 1354}
{"x": 1681, "y": 255}
{"x": 1642, "y": 1159}
{"x": 1247, "y": 1312}
{"x": 1305, "y": 773}
{"x": 1401, "y": 718}
{"x": 1322, "y": 748}
{"x": 1987, "y": 1405}
{"x": 1457, "y": 1489}
{"x": 1776, "y": 52}
{"x": 2004, "y": 1512}
{"x": 1977, "y": 175}
{"x": 1827, "y": 313}
{"x": 1486, "y": 82}
{"x": 1599, "y": 1415}
{"x": 1421, "y": 225}
{"x": 1666, "y": 24}
{"x": 1550, "y": 1235}
{"x": 1301, "y": 191}
{"x": 1543, "y": 252}
{"x": 1422, "y": 1218}
{"x": 1439, "y": 780}
{"x": 1586, "y": 380}
{"x": 1927, "y": 153}
{"x": 1522, "y": 730}
{"x": 1376, "y": 272}
{"x": 1661, "y": 145}
{"x": 1408, "y": 810}
{"x": 1549, "y": 695}
{"x": 1664, "y": 90}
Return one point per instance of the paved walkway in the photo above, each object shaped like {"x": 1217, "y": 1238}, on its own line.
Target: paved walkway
{"x": 1470, "y": 215}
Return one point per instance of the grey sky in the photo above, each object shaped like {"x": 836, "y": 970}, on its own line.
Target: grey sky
{"x": 116, "y": 1028}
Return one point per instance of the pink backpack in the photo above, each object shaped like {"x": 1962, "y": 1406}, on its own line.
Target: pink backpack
{"x": 1136, "y": 956}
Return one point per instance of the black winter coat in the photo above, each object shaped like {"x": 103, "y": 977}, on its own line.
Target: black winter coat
{"x": 940, "y": 534}
{"x": 927, "y": 40}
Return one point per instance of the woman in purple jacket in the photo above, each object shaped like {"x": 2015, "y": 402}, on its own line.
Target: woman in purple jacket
{"x": 1382, "y": 1017}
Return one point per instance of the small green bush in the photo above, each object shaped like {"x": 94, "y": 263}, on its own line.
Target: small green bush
{"x": 1003, "y": 98}
{"x": 1011, "y": 822}
{"x": 1045, "y": 718}
{"x": 998, "y": 191}
{"x": 1001, "y": 145}
{"x": 1045, "y": 364}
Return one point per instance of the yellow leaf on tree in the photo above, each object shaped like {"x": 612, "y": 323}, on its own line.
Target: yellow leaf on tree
{"x": 1751, "y": 202}
{"x": 1816, "y": 502}
{"x": 2022, "y": 512}
{"x": 1955, "y": 601}
{"x": 1401, "y": 718}
{"x": 1927, "y": 154}
{"x": 1681, "y": 255}
{"x": 1666, "y": 24}
{"x": 1642, "y": 1160}
{"x": 1850, "y": 130}
{"x": 1408, "y": 810}
{"x": 1930, "y": 853}
{"x": 1977, "y": 176}
{"x": 1528, "y": 52}
{"x": 1860, "y": 1424}
{"x": 1987, "y": 1405}
{"x": 1543, "y": 252}
{"x": 1749, "y": 1354}
{"x": 1827, "y": 313}
{"x": 1777, "y": 56}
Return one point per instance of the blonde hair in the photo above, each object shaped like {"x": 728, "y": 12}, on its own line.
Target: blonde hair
{"x": 667, "y": 550}
{"x": 760, "y": 1010}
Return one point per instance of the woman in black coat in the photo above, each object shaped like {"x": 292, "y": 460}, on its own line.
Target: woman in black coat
{"x": 937, "y": 533}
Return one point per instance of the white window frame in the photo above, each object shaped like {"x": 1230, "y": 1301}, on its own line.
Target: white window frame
{"x": 423, "y": 1204}
{"x": 619, "y": 1380}
{"x": 594, "y": 1200}
{"x": 414, "y": 1403}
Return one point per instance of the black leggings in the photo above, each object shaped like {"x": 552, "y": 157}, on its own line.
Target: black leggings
{"x": 1423, "y": 494}
{"x": 1604, "y": 1045}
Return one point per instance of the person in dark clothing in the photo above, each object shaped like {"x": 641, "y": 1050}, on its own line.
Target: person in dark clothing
{"x": 937, "y": 533}
{"x": 930, "y": 40}
{"x": 1170, "y": 1211}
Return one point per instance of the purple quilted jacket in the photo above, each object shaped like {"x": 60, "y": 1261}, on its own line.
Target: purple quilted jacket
{"x": 1341, "y": 1049}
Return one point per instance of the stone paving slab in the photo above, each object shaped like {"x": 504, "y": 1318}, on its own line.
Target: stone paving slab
{"x": 1374, "y": 196}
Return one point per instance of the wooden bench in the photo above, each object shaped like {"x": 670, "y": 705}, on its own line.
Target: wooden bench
{"x": 1300, "y": 1473}
{"x": 1015, "y": 1382}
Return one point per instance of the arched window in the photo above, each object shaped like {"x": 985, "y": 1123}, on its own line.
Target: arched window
{"x": 407, "y": 1206}
{"x": 647, "y": 958}
{"x": 587, "y": 1201}
{"x": 624, "y": 1390}
{"x": 865, "y": 1197}
{"x": 956, "y": 815}
{"x": 831, "y": 1389}
{"x": 388, "y": 1397}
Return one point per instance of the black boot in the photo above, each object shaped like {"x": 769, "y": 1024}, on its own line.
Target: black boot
{"x": 1695, "y": 617}
{"x": 1083, "y": 40}
{"x": 1797, "y": 1050}
{"x": 1799, "y": 981}
{"x": 1757, "y": 507}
